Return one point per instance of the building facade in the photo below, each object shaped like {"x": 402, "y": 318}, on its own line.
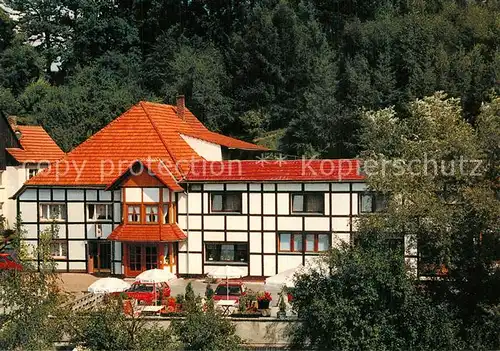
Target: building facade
{"x": 156, "y": 189}
{"x": 24, "y": 150}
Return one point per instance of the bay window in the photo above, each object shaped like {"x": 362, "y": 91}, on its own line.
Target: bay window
{"x": 151, "y": 213}
{"x": 134, "y": 213}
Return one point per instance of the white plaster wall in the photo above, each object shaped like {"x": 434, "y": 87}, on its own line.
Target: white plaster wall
{"x": 31, "y": 231}
{"x": 283, "y": 203}
{"x": 339, "y": 238}
{"x": 28, "y": 211}
{"x": 209, "y": 151}
{"x": 77, "y": 266}
{"x": 133, "y": 194}
{"x": 195, "y": 263}
{"x": 12, "y": 180}
{"x": 269, "y": 265}
{"x": 340, "y": 204}
{"x": 355, "y": 199}
{"x": 150, "y": 194}
{"x": 290, "y": 223}
{"x": 255, "y": 223}
{"x": 269, "y": 242}
{"x": 236, "y": 223}
{"x": 194, "y": 241}
{"x": 340, "y": 224}
{"x": 237, "y": 236}
{"x": 76, "y": 250}
{"x": 76, "y": 231}
{"x": 194, "y": 203}
{"x": 269, "y": 203}
{"x": 244, "y": 203}
{"x": 213, "y": 222}
{"x": 214, "y": 236}
{"x": 61, "y": 266}
{"x": 194, "y": 222}
{"x": 256, "y": 265}
{"x": 316, "y": 223}
{"x": 181, "y": 203}
{"x": 255, "y": 244}
{"x": 288, "y": 261}
{"x": 255, "y": 203}
{"x": 76, "y": 212}
{"x": 269, "y": 223}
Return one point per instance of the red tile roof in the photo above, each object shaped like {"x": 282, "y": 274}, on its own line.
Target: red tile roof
{"x": 276, "y": 170}
{"x": 37, "y": 146}
{"x": 145, "y": 131}
{"x": 148, "y": 233}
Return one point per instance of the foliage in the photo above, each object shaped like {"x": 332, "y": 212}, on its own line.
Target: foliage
{"x": 32, "y": 302}
{"x": 367, "y": 302}
{"x": 108, "y": 328}
{"x": 443, "y": 177}
{"x": 206, "y": 331}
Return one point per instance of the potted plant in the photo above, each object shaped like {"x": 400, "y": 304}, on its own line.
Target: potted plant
{"x": 263, "y": 300}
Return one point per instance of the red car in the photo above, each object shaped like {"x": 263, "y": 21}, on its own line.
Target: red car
{"x": 9, "y": 262}
{"x": 236, "y": 289}
{"x": 146, "y": 292}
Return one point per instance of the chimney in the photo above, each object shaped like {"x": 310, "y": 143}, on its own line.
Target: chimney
{"x": 12, "y": 121}
{"x": 181, "y": 106}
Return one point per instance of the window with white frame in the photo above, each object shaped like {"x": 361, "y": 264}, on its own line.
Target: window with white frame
{"x": 308, "y": 203}
{"x": 226, "y": 202}
{"x": 99, "y": 212}
{"x": 59, "y": 249}
{"x": 55, "y": 212}
{"x": 372, "y": 202}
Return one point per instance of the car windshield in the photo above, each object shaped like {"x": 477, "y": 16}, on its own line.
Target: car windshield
{"x": 141, "y": 288}
{"x": 233, "y": 290}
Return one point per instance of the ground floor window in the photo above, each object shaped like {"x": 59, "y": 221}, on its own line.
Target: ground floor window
{"x": 59, "y": 249}
{"x": 226, "y": 252}
{"x": 304, "y": 242}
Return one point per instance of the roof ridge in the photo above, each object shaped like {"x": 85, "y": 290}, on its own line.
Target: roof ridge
{"x": 144, "y": 107}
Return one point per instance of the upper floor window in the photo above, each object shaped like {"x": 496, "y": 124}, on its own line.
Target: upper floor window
{"x": 32, "y": 172}
{"x": 99, "y": 212}
{"x": 53, "y": 212}
{"x": 134, "y": 213}
{"x": 300, "y": 242}
{"x": 151, "y": 213}
{"x": 226, "y": 202}
{"x": 308, "y": 203}
{"x": 372, "y": 202}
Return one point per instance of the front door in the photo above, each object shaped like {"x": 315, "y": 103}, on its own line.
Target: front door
{"x": 141, "y": 257}
{"x": 100, "y": 256}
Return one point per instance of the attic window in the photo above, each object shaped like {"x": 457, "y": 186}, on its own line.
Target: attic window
{"x": 18, "y": 134}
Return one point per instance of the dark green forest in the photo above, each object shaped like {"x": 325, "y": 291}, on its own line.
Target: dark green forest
{"x": 293, "y": 75}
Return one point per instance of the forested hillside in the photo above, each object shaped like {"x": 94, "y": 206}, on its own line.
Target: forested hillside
{"x": 293, "y": 74}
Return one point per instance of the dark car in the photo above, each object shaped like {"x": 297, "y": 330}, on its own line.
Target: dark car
{"x": 147, "y": 292}
{"x": 229, "y": 291}
{"x": 9, "y": 262}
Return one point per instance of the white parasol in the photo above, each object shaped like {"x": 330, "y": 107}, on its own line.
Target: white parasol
{"x": 108, "y": 285}
{"x": 227, "y": 272}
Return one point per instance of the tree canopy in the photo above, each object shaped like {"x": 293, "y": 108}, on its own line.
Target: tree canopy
{"x": 303, "y": 70}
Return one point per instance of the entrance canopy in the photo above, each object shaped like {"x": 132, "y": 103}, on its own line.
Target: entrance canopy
{"x": 148, "y": 233}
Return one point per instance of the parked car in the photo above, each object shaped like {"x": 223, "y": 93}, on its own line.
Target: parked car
{"x": 235, "y": 289}
{"x": 145, "y": 293}
{"x": 9, "y": 262}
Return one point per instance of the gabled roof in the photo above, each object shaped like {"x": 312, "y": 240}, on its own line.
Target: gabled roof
{"x": 36, "y": 146}
{"x": 146, "y": 131}
{"x": 148, "y": 233}
{"x": 276, "y": 170}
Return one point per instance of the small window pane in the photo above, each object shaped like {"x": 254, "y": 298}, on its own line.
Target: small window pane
{"x": 366, "y": 203}
{"x": 323, "y": 242}
{"x": 233, "y": 203}
{"x": 310, "y": 242}
{"x": 298, "y": 203}
{"x": 297, "y": 242}
{"x": 380, "y": 203}
{"x": 315, "y": 203}
{"x": 217, "y": 202}
{"x": 285, "y": 242}
{"x": 91, "y": 211}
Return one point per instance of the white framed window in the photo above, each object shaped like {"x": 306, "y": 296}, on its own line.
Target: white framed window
{"x": 308, "y": 203}
{"x": 225, "y": 202}
{"x": 99, "y": 212}
{"x": 59, "y": 249}
{"x": 53, "y": 211}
